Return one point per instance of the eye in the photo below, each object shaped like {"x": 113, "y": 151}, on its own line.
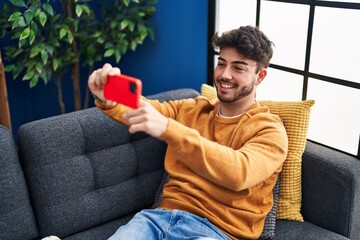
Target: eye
{"x": 221, "y": 64}
{"x": 239, "y": 69}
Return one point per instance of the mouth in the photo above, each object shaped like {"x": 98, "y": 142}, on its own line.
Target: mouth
{"x": 223, "y": 85}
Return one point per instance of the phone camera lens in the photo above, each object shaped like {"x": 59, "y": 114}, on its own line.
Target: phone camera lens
{"x": 132, "y": 87}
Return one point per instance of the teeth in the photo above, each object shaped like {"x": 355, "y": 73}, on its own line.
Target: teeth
{"x": 226, "y": 85}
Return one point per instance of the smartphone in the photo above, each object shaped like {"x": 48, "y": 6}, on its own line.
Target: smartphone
{"x": 123, "y": 89}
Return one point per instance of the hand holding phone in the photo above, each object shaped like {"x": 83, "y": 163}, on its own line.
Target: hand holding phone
{"x": 123, "y": 89}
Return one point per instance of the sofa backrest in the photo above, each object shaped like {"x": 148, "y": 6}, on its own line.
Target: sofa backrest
{"x": 83, "y": 169}
{"x": 17, "y": 219}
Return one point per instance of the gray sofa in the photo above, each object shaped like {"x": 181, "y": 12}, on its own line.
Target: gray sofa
{"x": 81, "y": 175}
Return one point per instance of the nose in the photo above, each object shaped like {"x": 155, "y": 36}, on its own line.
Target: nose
{"x": 226, "y": 74}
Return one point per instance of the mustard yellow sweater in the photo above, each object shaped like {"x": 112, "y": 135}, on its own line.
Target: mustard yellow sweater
{"x": 222, "y": 169}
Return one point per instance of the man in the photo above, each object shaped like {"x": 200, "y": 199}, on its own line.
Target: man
{"x": 223, "y": 155}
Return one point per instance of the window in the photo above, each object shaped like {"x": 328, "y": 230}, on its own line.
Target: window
{"x": 317, "y": 49}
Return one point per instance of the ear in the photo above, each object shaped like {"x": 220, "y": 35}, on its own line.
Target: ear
{"x": 261, "y": 75}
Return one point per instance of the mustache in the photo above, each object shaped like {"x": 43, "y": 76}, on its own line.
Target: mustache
{"x": 221, "y": 80}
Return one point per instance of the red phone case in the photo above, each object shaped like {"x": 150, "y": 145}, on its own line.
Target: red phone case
{"x": 123, "y": 89}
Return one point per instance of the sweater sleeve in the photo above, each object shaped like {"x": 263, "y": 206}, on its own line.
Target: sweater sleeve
{"x": 168, "y": 109}
{"x": 235, "y": 169}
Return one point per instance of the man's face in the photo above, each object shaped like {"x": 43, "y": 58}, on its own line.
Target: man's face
{"x": 236, "y": 77}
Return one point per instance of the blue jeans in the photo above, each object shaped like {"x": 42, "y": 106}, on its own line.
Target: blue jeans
{"x": 162, "y": 224}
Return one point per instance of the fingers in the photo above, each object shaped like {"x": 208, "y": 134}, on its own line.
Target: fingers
{"x": 114, "y": 71}
{"x": 98, "y": 78}
{"x": 103, "y": 73}
{"x": 140, "y": 114}
{"x": 146, "y": 119}
{"x": 91, "y": 81}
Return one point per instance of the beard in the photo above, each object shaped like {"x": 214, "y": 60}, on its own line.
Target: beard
{"x": 242, "y": 93}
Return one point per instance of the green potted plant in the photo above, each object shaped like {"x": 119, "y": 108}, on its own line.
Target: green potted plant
{"x": 46, "y": 42}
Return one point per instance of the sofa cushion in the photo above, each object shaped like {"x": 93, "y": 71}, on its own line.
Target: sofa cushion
{"x": 16, "y": 216}
{"x": 101, "y": 232}
{"x": 270, "y": 221}
{"x": 294, "y": 230}
{"x": 296, "y": 116}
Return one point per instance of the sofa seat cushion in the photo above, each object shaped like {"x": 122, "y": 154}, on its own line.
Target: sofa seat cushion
{"x": 103, "y": 231}
{"x": 294, "y": 230}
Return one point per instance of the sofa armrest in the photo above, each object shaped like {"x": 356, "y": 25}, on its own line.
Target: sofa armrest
{"x": 17, "y": 219}
{"x": 331, "y": 190}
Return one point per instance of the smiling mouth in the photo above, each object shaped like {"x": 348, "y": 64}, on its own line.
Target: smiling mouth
{"x": 226, "y": 85}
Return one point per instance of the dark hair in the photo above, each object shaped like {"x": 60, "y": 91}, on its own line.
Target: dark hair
{"x": 248, "y": 41}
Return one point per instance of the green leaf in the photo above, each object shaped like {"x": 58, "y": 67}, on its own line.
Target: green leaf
{"x": 100, "y": 40}
{"x": 35, "y": 51}
{"x": 39, "y": 68}
{"x": 28, "y": 75}
{"x": 109, "y": 45}
{"x": 18, "y": 3}
{"x": 36, "y": 9}
{"x": 44, "y": 75}
{"x": 32, "y": 37}
{"x": 91, "y": 50}
{"x": 56, "y": 63}
{"x": 22, "y": 42}
{"x": 141, "y": 27}
{"x": 63, "y": 32}
{"x": 18, "y": 52}
{"x": 124, "y": 23}
{"x": 14, "y": 16}
{"x": 113, "y": 24}
{"x": 97, "y": 34}
{"x": 28, "y": 14}
{"x": 49, "y": 49}
{"x": 109, "y": 52}
{"x": 48, "y": 8}
{"x": 141, "y": 14}
{"x": 18, "y": 68}
{"x": 78, "y": 10}
{"x": 126, "y": 2}
{"x": 34, "y": 27}
{"x": 131, "y": 26}
{"x": 30, "y": 64}
{"x": 123, "y": 46}
{"x": 34, "y": 81}
{"x": 42, "y": 18}
{"x": 117, "y": 56}
{"x": 25, "y": 34}
{"x": 150, "y": 11}
{"x": 44, "y": 56}
{"x": 70, "y": 37}
{"x": 20, "y": 22}
{"x": 9, "y": 68}
{"x": 133, "y": 45}
{"x": 76, "y": 25}
{"x": 86, "y": 9}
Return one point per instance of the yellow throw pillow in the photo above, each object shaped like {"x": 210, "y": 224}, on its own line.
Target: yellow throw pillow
{"x": 208, "y": 91}
{"x": 296, "y": 116}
